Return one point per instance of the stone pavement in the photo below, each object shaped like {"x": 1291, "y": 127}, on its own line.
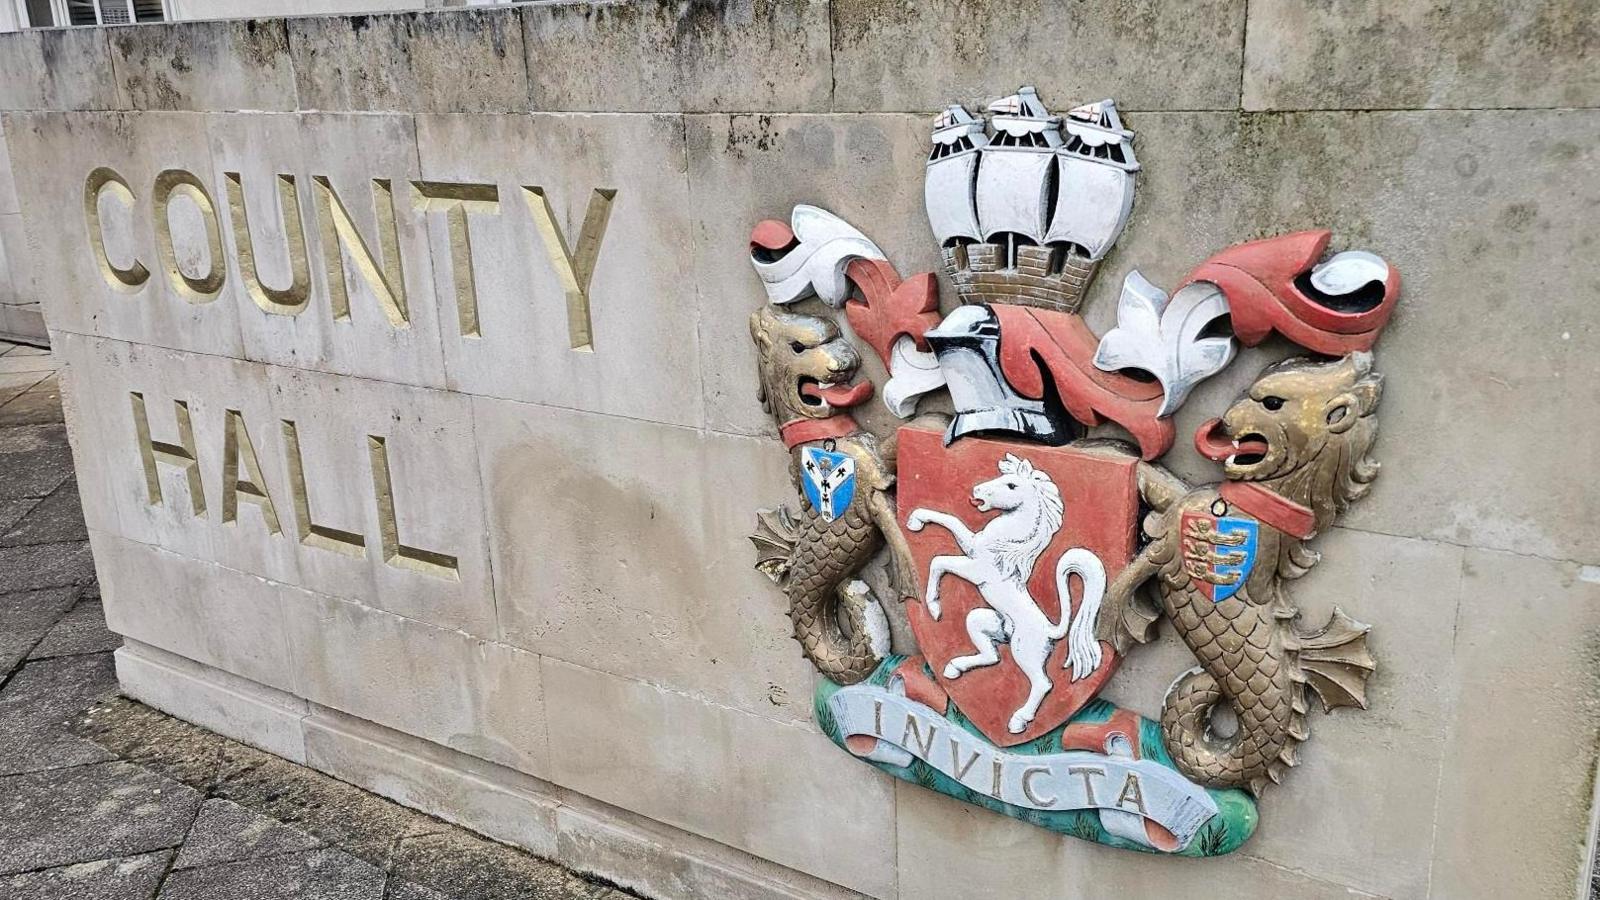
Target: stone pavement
{"x": 103, "y": 798}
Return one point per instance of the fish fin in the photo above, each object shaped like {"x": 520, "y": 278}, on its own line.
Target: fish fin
{"x": 774, "y": 538}
{"x": 1336, "y": 661}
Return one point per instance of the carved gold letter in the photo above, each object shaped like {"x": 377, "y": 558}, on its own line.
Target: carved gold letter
{"x": 1027, "y": 787}
{"x": 236, "y": 448}
{"x": 152, "y": 452}
{"x": 428, "y": 562}
{"x": 574, "y": 269}
{"x": 1132, "y": 791}
{"x": 455, "y": 200}
{"x": 290, "y": 301}
{"x": 104, "y": 180}
{"x": 388, "y": 282}
{"x": 312, "y": 534}
{"x": 205, "y": 288}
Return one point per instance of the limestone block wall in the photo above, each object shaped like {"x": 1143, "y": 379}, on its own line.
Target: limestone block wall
{"x": 495, "y": 564}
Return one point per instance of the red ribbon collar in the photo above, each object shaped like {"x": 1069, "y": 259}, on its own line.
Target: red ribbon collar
{"x": 1272, "y": 508}
{"x": 803, "y": 431}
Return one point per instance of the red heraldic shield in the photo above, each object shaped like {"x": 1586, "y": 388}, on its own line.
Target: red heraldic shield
{"x": 998, "y": 526}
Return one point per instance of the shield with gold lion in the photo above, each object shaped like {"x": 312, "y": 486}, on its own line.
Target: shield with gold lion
{"x": 1014, "y": 544}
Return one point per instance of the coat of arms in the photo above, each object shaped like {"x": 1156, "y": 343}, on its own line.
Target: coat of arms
{"x": 1022, "y": 517}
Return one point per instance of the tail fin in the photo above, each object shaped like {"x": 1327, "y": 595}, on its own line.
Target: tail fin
{"x": 1336, "y": 662}
{"x": 1083, "y": 648}
{"x": 776, "y": 533}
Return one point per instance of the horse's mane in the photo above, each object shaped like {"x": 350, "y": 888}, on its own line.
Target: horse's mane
{"x": 1016, "y": 557}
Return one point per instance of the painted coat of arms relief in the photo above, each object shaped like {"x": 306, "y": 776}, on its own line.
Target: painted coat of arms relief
{"x": 1023, "y": 519}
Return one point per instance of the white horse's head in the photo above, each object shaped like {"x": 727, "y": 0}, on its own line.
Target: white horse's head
{"x": 1019, "y": 485}
{"x": 1027, "y": 496}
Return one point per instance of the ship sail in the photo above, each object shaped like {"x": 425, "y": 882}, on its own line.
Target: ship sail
{"x": 1014, "y": 192}
{"x": 1016, "y": 179}
{"x": 1094, "y": 179}
{"x": 1093, "y": 201}
{"x": 948, "y": 187}
{"x": 947, "y": 192}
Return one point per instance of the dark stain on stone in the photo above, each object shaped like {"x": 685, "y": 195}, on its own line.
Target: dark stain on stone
{"x": 1518, "y": 216}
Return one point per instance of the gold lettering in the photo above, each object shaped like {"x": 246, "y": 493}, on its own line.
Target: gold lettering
{"x": 290, "y": 301}
{"x": 456, "y": 200}
{"x": 204, "y": 288}
{"x": 152, "y": 452}
{"x": 1132, "y": 791}
{"x": 1027, "y": 787}
{"x": 428, "y": 562}
{"x": 236, "y": 449}
{"x": 1087, "y": 773}
{"x": 955, "y": 759}
{"x": 575, "y": 269}
{"x": 387, "y": 282}
{"x": 106, "y": 181}
{"x": 311, "y": 534}
{"x": 912, "y": 736}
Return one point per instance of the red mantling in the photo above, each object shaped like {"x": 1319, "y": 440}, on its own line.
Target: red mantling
{"x": 803, "y": 431}
{"x": 1271, "y": 507}
{"x": 1066, "y": 347}
{"x": 888, "y": 307}
{"x": 1258, "y": 278}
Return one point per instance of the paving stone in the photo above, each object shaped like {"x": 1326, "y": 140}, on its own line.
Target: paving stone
{"x": 405, "y": 890}
{"x": 15, "y": 384}
{"x": 12, "y": 511}
{"x": 24, "y": 363}
{"x": 56, "y": 519}
{"x": 45, "y": 565}
{"x": 37, "y": 707}
{"x": 89, "y": 812}
{"x": 313, "y": 875}
{"x": 117, "y": 878}
{"x": 343, "y": 815}
{"x": 82, "y": 630}
{"x": 135, "y": 732}
{"x": 227, "y": 832}
{"x": 27, "y": 616}
{"x": 465, "y": 867}
{"x": 34, "y": 460}
{"x": 39, "y": 405}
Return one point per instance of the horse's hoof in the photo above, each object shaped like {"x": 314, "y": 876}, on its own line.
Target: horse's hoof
{"x": 950, "y": 671}
{"x": 1017, "y": 725}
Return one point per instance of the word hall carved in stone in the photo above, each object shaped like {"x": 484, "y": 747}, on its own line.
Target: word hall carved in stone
{"x": 375, "y": 256}
{"x": 243, "y": 480}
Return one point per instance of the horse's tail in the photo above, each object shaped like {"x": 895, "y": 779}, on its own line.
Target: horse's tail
{"x": 1083, "y": 650}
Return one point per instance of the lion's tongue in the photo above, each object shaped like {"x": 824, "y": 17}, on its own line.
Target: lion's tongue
{"x": 839, "y": 395}
{"x": 1212, "y": 440}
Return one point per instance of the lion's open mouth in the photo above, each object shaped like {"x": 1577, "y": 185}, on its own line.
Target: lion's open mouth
{"x": 840, "y": 396}
{"x": 1214, "y": 443}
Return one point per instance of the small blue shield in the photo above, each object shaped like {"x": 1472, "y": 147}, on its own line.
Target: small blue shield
{"x": 829, "y": 481}
{"x": 1250, "y": 530}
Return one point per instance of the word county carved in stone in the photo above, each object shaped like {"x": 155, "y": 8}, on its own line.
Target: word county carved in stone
{"x": 251, "y": 487}
{"x": 382, "y": 271}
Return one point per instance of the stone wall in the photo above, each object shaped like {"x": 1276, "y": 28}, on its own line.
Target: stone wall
{"x": 552, "y": 632}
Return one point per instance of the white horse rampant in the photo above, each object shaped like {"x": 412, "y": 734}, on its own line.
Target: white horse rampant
{"x": 999, "y": 560}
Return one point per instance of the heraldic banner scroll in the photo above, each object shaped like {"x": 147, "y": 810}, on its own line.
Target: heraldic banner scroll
{"x": 1021, "y": 511}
